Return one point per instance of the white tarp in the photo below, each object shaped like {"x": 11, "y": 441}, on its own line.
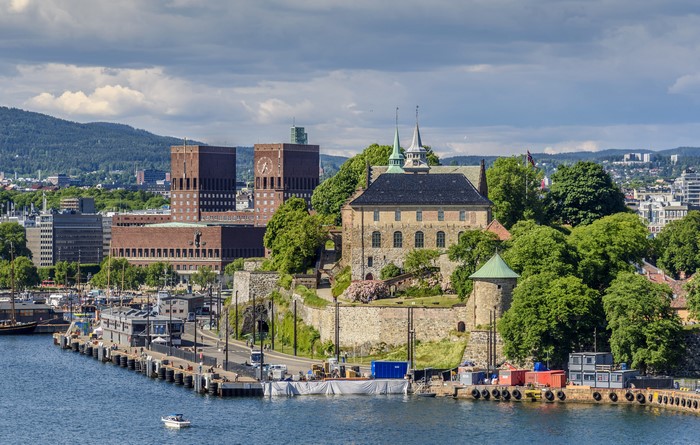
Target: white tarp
{"x": 159, "y": 340}
{"x": 337, "y": 387}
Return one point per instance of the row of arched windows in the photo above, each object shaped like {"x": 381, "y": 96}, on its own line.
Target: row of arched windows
{"x": 418, "y": 240}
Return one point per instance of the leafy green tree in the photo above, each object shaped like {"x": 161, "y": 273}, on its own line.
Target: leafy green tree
{"x": 550, "y": 316}
{"x": 608, "y": 246}
{"x": 583, "y": 193}
{"x": 514, "y": 189}
{"x": 122, "y": 275}
{"x": 234, "y": 266}
{"x": 158, "y": 273}
{"x": 25, "y": 273}
{"x": 645, "y": 331}
{"x": 391, "y": 270}
{"x": 204, "y": 277}
{"x": 539, "y": 250}
{"x": 473, "y": 249}
{"x": 679, "y": 245}
{"x": 420, "y": 261}
{"x": 12, "y": 236}
{"x": 293, "y": 237}
{"x": 65, "y": 272}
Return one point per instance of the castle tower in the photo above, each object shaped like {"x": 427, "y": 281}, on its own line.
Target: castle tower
{"x": 416, "y": 155}
{"x": 493, "y": 289}
{"x": 396, "y": 159}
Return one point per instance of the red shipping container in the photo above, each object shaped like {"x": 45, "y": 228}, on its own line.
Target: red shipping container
{"x": 558, "y": 381}
{"x": 545, "y": 378}
{"x": 512, "y": 377}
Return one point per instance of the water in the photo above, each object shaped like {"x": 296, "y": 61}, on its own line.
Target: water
{"x": 52, "y": 396}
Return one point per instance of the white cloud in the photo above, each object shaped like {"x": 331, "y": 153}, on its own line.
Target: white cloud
{"x": 18, "y": 5}
{"x": 110, "y": 100}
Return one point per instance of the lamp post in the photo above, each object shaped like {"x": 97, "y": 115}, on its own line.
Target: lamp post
{"x": 170, "y": 325}
{"x": 226, "y": 348}
{"x": 236, "y": 316}
{"x": 295, "y": 328}
{"x": 210, "y": 307}
{"x": 262, "y": 357}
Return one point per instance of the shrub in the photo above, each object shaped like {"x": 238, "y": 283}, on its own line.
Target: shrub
{"x": 310, "y": 297}
{"x": 342, "y": 281}
{"x": 285, "y": 281}
{"x": 391, "y": 270}
{"x": 366, "y": 291}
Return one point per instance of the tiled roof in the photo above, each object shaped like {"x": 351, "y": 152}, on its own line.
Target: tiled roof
{"x": 656, "y": 275}
{"x": 497, "y": 228}
{"x": 421, "y": 189}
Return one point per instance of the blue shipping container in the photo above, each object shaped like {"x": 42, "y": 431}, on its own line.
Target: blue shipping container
{"x": 389, "y": 370}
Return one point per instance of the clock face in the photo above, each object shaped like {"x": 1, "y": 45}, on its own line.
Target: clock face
{"x": 264, "y": 165}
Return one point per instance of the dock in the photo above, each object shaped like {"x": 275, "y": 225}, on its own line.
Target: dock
{"x": 195, "y": 376}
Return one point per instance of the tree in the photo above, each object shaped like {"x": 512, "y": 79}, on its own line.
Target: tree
{"x": 420, "y": 261}
{"x": 122, "y": 275}
{"x": 583, "y": 193}
{"x": 293, "y": 237}
{"x": 679, "y": 245}
{"x": 473, "y": 249}
{"x": 12, "y": 236}
{"x": 550, "y": 316}
{"x": 204, "y": 277}
{"x": 608, "y": 246}
{"x": 391, "y": 270}
{"x": 539, "y": 250}
{"x": 514, "y": 189}
{"x": 25, "y": 273}
{"x": 64, "y": 272}
{"x": 645, "y": 331}
{"x": 157, "y": 273}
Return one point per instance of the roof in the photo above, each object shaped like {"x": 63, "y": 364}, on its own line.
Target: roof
{"x": 495, "y": 268}
{"x": 497, "y": 228}
{"x": 472, "y": 172}
{"x": 421, "y": 189}
{"x": 175, "y": 224}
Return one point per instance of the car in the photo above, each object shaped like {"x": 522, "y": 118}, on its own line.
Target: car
{"x": 191, "y": 316}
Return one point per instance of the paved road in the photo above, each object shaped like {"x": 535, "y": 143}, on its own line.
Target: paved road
{"x": 208, "y": 340}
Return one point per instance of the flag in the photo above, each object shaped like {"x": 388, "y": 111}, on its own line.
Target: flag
{"x": 529, "y": 159}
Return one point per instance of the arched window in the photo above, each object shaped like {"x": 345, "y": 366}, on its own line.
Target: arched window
{"x": 440, "y": 239}
{"x": 398, "y": 240}
{"x": 419, "y": 240}
{"x": 376, "y": 239}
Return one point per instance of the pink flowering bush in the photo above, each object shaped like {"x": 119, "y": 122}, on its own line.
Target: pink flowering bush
{"x": 366, "y": 291}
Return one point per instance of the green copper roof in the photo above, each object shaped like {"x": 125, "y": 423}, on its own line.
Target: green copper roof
{"x": 495, "y": 268}
{"x": 396, "y": 159}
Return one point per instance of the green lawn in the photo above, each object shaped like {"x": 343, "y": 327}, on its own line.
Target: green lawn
{"x": 443, "y": 354}
{"x": 437, "y": 301}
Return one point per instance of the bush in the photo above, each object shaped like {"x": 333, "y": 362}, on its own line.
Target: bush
{"x": 285, "y": 281}
{"x": 366, "y": 291}
{"x": 310, "y": 298}
{"x": 342, "y": 281}
{"x": 391, "y": 270}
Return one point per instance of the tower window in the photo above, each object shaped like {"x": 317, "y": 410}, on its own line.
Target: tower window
{"x": 397, "y": 215}
{"x": 441, "y": 215}
{"x": 376, "y": 239}
{"x": 419, "y": 215}
{"x": 440, "y": 241}
{"x": 419, "y": 240}
{"x": 398, "y": 240}
{"x": 376, "y": 215}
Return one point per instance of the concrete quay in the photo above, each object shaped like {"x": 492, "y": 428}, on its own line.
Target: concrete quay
{"x": 201, "y": 378}
{"x": 683, "y": 401}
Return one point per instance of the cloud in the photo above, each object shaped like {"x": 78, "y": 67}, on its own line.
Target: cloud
{"x": 110, "y": 100}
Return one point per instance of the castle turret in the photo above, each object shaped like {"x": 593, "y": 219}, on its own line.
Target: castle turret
{"x": 493, "y": 289}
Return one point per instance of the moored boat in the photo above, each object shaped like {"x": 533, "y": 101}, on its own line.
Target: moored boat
{"x": 17, "y": 328}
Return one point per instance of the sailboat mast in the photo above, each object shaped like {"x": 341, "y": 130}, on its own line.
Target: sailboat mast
{"x": 12, "y": 279}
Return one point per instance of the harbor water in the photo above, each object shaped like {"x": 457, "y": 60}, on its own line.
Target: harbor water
{"x": 60, "y": 397}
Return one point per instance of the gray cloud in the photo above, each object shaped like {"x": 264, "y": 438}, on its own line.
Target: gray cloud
{"x": 489, "y": 75}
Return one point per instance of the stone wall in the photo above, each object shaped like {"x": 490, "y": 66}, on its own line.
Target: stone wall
{"x": 256, "y": 283}
{"x": 477, "y": 349}
{"x": 365, "y": 326}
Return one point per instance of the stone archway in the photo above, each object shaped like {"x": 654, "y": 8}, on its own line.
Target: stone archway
{"x": 369, "y": 276}
{"x": 461, "y": 327}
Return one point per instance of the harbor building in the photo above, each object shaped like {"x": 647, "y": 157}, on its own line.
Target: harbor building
{"x": 129, "y": 327}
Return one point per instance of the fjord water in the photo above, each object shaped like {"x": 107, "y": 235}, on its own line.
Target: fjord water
{"x": 60, "y": 397}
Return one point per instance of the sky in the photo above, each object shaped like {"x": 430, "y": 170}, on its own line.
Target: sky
{"x": 490, "y": 77}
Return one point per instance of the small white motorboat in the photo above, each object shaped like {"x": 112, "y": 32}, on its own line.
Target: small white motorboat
{"x": 175, "y": 421}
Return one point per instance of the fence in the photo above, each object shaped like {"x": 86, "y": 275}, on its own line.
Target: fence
{"x": 185, "y": 355}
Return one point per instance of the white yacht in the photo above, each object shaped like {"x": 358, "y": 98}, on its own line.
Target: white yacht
{"x": 175, "y": 421}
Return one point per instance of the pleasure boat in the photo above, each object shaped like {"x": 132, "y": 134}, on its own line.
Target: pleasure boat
{"x": 175, "y": 421}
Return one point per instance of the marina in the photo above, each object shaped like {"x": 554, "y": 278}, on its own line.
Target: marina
{"x": 87, "y": 387}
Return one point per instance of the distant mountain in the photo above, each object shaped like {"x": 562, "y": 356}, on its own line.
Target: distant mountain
{"x": 30, "y": 142}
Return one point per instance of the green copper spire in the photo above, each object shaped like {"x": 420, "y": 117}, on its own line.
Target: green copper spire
{"x": 396, "y": 159}
{"x": 493, "y": 269}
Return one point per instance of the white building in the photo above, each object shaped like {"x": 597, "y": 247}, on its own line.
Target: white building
{"x": 687, "y": 188}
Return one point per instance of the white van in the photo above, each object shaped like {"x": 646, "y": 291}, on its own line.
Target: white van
{"x": 277, "y": 372}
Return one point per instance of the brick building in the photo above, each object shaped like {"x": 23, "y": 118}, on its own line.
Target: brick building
{"x": 283, "y": 171}
{"x": 408, "y": 206}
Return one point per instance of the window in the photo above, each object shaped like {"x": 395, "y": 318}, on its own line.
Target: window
{"x": 419, "y": 240}
{"x": 398, "y": 240}
{"x": 376, "y": 215}
{"x": 575, "y": 360}
{"x": 462, "y": 215}
{"x": 376, "y": 239}
{"x": 440, "y": 242}
{"x": 589, "y": 377}
{"x": 441, "y": 215}
{"x": 370, "y": 261}
{"x": 419, "y": 215}
{"x": 397, "y": 215}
